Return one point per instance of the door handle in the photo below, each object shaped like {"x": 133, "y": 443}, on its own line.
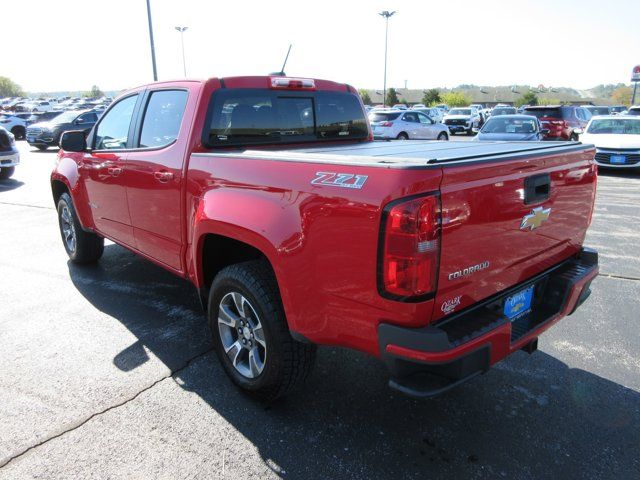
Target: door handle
{"x": 114, "y": 171}
{"x": 537, "y": 188}
{"x": 163, "y": 176}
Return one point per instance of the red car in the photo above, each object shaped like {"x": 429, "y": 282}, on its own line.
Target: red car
{"x": 269, "y": 195}
{"x": 564, "y": 122}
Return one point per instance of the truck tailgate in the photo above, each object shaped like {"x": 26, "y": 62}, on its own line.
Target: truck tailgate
{"x": 506, "y": 221}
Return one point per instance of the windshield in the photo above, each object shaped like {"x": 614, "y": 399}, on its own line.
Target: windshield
{"x": 383, "y": 117}
{"x": 634, "y": 111}
{"x": 543, "y": 112}
{"x": 460, "y": 111}
{"x": 503, "y": 111}
{"x": 617, "y": 126}
{"x": 241, "y": 116}
{"x": 598, "y": 110}
{"x": 67, "y": 117}
{"x": 510, "y": 125}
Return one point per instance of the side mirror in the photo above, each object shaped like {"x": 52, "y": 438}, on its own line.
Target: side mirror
{"x": 578, "y": 131}
{"x": 545, "y": 131}
{"x": 73, "y": 141}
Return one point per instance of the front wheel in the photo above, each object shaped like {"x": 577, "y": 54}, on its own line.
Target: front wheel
{"x": 6, "y": 172}
{"x": 81, "y": 246}
{"x": 250, "y": 332}
{"x": 18, "y": 132}
{"x": 443, "y": 137}
{"x": 402, "y": 136}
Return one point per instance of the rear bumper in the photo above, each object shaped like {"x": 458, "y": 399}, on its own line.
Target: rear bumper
{"x": 428, "y": 361}
{"x": 9, "y": 159}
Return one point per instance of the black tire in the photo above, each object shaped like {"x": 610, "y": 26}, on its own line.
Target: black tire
{"x": 402, "y": 136}
{"x": 287, "y": 362}
{"x": 443, "y": 137}
{"x": 6, "y": 172}
{"x": 87, "y": 247}
{"x": 18, "y": 132}
{"x": 42, "y": 148}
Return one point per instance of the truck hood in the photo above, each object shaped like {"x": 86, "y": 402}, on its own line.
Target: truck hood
{"x": 612, "y": 141}
{"x": 457, "y": 117}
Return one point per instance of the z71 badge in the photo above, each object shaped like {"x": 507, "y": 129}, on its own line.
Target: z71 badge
{"x": 344, "y": 180}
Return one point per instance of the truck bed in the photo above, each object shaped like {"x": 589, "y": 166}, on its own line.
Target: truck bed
{"x": 409, "y": 154}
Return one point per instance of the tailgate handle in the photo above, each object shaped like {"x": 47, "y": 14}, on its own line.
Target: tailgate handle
{"x": 537, "y": 188}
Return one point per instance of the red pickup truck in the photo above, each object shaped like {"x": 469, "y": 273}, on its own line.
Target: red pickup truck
{"x": 270, "y": 196}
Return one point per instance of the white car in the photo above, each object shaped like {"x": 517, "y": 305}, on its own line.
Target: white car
{"x": 406, "y": 125}
{"x": 462, "y": 120}
{"x": 617, "y": 140}
{"x": 434, "y": 113}
{"x": 9, "y": 155}
{"x": 40, "y": 106}
{"x": 16, "y": 125}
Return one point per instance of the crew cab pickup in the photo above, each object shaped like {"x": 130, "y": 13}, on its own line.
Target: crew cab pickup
{"x": 298, "y": 230}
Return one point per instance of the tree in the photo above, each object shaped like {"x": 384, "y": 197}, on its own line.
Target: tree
{"x": 392, "y": 97}
{"x": 529, "y": 98}
{"x": 431, "y": 97}
{"x": 622, "y": 95}
{"x": 95, "y": 92}
{"x": 9, "y": 88}
{"x": 364, "y": 95}
{"x": 455, "y": 99}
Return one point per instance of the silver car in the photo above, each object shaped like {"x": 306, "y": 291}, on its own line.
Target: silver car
{"x": 405, "y": 125}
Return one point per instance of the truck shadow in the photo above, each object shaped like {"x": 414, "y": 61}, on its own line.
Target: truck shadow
{"x": 530, "y": 417}
{"x": 10, "y": 184}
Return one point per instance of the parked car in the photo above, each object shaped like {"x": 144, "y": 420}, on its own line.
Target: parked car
{"x": 9, "y": 155}
{"x": 522, "y": 108}
{"x": 635, "y": 110}
{"x": 597, "y": 110}
{"x": 47, "y": 134}
{"x": 418, "y": 106}
{"x": 462, "y": 120}
{"x": 400, "y": 106}
{"x": 39, "y": 117}
{"x": 433, "y": 113}
{"x": 617, "y": 141}
{"x": 517, "y": 128}
{"x": 564, "y": 122}
{"x": 617, "y": 109}
{"x": 42, "y": 106}
{"x": 14, "y": 124}
{"x": 497, "y": 111}
{"x": 406, "y": 125}
{"x": 296, "y": 230}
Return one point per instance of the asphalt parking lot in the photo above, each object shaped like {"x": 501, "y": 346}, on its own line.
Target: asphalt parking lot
{"x": 107, "y": 372}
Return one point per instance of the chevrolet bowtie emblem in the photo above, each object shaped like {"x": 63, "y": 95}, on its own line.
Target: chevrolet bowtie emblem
{"x": 536, "y": 218}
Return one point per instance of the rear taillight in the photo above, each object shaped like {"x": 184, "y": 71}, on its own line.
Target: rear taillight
{"x": 385, "y": 124}
{"x": 410, "y": 252}
{"x": 293, "y": 83}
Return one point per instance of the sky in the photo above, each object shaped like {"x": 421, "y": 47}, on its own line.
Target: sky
{"x": 67, "y": 45}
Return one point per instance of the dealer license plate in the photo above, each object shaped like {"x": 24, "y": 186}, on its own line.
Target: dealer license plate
{"x": 518, "y": 303}
{"x": 618, "y": 159}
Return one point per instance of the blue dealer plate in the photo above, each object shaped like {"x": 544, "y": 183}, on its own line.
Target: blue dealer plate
{"x": 618, "y": 159}
{"x": 518, "y": 303}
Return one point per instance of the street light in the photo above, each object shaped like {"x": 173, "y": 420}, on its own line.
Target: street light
{"x": 386, "y": 16}
{"x": 153, "y": 49}
{"x": 184, "y": 63}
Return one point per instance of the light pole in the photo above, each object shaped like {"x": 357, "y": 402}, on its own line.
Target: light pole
{"x": 386, "y": 14}
{"x": 184, "y": 63}
{"x": 153, "y": 50}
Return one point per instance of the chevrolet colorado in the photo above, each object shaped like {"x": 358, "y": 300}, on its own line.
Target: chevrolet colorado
{"x": 297, "y": 229}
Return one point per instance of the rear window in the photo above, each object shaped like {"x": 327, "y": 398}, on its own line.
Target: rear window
{"x": 383, "y": 117}
{"x": 634, "y": 111}
{"x": 598, "y": 110}
{"x": 544, "y": 112}
{"x": 258, "y": 116}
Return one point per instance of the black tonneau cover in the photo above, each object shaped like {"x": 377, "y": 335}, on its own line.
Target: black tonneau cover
{"x": 407, "y": 154}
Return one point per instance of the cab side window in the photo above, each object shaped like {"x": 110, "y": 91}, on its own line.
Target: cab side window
{"x": 113, "y": 130}
{"x": 162, "y": 118}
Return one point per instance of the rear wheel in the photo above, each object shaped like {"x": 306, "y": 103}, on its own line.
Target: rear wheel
{"x": 250, "y": 332}
{"x": 402, "y": 136}
{"x": 443, "y": 137}
{"x": 6, "y": 172}
{"x": 81, "y": 246}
